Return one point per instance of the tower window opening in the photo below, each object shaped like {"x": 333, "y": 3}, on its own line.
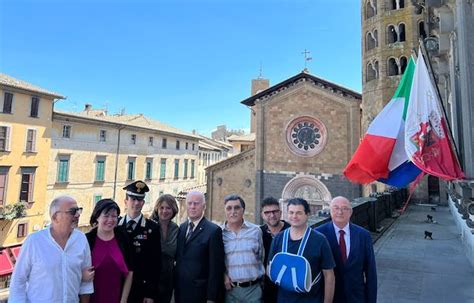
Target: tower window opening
{"x": 421, "y": 30}
{"x": 370, "y": 41}
{"x": 396, "y": 4}
{"x": 371, "y": 71}
{"x": 392, "y": 34}
{"x": 370, "y": 8}
{"x": 403, "y": 64}
{"x": 392, "y": 67}
{"x": 401, "y": 32}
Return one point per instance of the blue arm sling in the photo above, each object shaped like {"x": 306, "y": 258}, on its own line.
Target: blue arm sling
{"x": 293, "y": 272}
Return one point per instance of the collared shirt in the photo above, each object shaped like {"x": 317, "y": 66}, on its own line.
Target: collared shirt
{"x": 196, "y": 223}
{"x": 347, "y": 236}
{"x": 244, "y": 252}
{"x": 136, "y": 220}
{"x": 45, "y": 272}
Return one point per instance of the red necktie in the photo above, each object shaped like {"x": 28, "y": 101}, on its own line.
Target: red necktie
{"x": 342, "y": 245}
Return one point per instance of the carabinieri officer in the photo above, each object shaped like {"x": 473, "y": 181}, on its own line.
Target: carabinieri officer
{"x": 144, "y": 237}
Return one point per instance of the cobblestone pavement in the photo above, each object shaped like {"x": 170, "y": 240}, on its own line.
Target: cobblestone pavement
{"x": 413, "y": 269}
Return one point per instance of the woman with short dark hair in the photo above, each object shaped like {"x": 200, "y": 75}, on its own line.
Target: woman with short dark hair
{"x": 110, "y": 255}
{"x": 165, "y": 210}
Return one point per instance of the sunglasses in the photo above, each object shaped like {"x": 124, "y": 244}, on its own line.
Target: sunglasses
{"x": 72, "y": 211}
{"x": 273, "y": 212}
{"x": 235, "y": 207}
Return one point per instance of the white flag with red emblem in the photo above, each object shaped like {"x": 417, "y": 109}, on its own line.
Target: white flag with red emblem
{"x": 426, "y": 134}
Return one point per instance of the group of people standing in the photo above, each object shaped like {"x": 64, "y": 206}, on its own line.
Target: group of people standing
{"x": 147, "y": 260}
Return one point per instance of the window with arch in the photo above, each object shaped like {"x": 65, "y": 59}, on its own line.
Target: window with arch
{"x": 372, "y": 71}
{"x": 392, "y": 67}
{"x": 403, "y": 64}
{"x": 421, "y": 30}
{"x": 370, "y": 40}
{"x": 396, "y": 4}
{"x": 370, "y": 8}
{"x": 401, "y": 32}
{"x": 392, "y": 35}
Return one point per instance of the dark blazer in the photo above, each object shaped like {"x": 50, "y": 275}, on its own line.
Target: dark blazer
{"x": 145, "y": 243}
{"x": 122, "y": 241}
{"x": 199, "y": 272}
{"x": 356, "y": 280}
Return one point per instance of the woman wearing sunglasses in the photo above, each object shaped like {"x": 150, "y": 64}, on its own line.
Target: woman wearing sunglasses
{"x": 110, "y": 255}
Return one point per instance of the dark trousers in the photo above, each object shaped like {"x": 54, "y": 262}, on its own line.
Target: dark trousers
{"x": 270, "y": 291}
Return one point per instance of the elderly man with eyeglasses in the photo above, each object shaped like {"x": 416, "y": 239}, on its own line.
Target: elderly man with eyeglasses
{"x": 51, "y": 261}
{"x": 351, "y": 245}
{"x": 244, "y": 253}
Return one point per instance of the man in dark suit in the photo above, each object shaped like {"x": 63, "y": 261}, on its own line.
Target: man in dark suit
{"x": 200, "y": 265}
{"x": 145, "y": 242}
{"x": 351, "y": 245}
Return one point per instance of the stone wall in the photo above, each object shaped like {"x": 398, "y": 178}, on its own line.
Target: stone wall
{"x": 235, "y": 175}
{"x": 337, "y": 114}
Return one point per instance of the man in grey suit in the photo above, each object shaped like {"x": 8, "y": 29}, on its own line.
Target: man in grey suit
{"x": 199, "y": 257}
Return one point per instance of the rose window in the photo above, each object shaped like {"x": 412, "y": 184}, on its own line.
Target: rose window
{"x": 306, "y": 136}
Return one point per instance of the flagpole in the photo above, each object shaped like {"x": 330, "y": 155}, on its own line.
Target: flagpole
{"x": 424, "y": 53}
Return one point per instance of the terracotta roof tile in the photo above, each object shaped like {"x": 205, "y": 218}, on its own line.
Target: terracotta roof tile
{"x": 20, "y": 84}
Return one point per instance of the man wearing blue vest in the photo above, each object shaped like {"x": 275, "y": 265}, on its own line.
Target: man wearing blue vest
{"x": 351, "y": 245}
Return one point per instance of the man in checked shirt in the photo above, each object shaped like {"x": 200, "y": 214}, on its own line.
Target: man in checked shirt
{"x": 244, "y": 253}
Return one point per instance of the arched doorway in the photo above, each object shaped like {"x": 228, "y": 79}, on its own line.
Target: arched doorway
{"x": 309, "y": 188}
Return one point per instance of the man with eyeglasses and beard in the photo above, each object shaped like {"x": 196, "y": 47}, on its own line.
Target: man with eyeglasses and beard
{"x": 51, "y": 261}
{"x": 271, "y": 215}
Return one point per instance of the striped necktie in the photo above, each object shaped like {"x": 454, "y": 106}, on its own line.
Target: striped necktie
{"x": 190, "y": 232}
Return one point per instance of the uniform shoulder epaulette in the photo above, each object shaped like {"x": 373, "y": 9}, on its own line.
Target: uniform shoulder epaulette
{"x": 153, "y": 220}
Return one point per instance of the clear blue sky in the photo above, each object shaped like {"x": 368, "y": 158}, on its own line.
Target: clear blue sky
{"x": 186, "y": 63}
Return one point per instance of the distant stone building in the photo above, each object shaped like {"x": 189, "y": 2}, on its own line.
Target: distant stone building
{"x": 306, "y": 131}
{"x": 241, "y": 143}
{"x": 222, "y": 133}
{"x": 210, "y": 152}
{"x": 93, "y": 155}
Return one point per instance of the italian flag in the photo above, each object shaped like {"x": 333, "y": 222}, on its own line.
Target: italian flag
{"x": 381, "y": 155}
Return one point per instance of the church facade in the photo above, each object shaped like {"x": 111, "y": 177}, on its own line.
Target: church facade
{"x": 306, "y": 130}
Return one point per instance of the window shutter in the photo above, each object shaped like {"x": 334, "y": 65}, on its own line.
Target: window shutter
{"x": 3, "y": 183}
{"x": 7, "y": 144}
{"x": 33, "y": 141}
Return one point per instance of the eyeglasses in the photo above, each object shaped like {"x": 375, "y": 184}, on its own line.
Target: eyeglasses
{"x": 343, "y": 209}
{"x": 235, "y": 207}
{"x": 272, "y": 212}
{"x": 72, "y": 211}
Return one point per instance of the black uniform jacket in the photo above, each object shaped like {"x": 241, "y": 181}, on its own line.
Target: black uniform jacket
{"x": 145, "y": 242}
